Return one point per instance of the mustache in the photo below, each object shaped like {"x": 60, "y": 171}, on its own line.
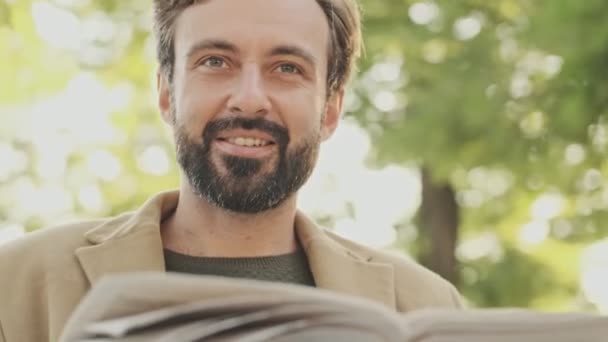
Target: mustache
{"x": 278, "y": 133}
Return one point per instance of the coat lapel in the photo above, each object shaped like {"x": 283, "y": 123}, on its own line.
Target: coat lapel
{"x": 337, "y": 268}
{"x": 132, "y": 242}
{"x": 128, "y": 243}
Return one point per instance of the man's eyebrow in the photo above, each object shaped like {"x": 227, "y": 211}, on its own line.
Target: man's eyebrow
{"x": 211, "y": 44}
{"x": 294, "y": 51}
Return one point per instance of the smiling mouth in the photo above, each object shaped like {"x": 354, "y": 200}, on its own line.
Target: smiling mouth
{"x": 246, "y": 147}
{"x": 247, "y": 141}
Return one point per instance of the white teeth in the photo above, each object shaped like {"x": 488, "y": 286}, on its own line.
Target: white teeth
{"x": 250, "y": 142}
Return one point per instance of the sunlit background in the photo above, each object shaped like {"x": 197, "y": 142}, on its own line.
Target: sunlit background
{"x": 474, "y": 137}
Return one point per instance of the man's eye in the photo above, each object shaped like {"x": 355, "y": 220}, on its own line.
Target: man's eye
{"x": 289, "y": 69}
{"x": 213, "y": 62}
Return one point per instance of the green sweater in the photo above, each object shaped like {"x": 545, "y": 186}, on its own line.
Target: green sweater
{"x": 286, "y": 268}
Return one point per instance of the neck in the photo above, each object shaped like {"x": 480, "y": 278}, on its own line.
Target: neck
{"x": 199, "y": 228}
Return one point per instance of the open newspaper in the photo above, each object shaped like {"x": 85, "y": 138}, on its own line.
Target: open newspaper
{"x": 182, "y": 308}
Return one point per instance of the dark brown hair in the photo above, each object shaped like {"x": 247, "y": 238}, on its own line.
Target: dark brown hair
{"x": 345, "y": 37}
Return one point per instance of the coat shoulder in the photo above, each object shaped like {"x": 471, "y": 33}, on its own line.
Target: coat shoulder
{"x": 40, "y": 253}
{"x": 50, "y": 240}
{"x": 54, "y": 239}
{"x": 42, "y": 280}
{"x": 416, "y": 286}
{"x": 35, "y": 269}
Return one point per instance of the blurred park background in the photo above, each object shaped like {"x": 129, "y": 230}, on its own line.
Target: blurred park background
{"x": 474, "y": 140}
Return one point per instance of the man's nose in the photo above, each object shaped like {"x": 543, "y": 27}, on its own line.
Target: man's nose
{"x": 250, "y": 95}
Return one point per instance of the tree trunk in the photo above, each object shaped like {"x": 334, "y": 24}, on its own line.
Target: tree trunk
{"x": 439, "y": 219}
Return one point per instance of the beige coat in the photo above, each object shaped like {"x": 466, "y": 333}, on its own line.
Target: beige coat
{"x": 45, "y": 274}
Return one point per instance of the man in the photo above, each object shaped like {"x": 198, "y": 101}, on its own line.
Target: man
{"x": 250, "y": 89}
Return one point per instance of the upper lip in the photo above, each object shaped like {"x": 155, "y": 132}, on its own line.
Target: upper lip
{"x": 242, "y": 133}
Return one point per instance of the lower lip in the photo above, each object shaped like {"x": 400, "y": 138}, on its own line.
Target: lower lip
{"x": 244, "y": 151}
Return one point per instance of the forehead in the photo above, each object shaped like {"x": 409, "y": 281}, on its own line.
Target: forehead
{"x": 255, "y": 24}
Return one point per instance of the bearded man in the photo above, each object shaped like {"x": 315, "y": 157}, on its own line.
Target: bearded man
{"x": 250, "y": 89}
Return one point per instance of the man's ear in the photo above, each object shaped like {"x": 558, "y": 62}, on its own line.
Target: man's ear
{"x": 333, "y": 112}
{"x": 164, "y": 97}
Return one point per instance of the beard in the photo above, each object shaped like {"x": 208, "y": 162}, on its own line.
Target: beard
{"x": 245, "y": 185}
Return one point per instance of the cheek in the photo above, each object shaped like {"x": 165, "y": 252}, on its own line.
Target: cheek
{"x": 197, "y": 105}
{"x": 302, "y": 112}
{"x": 306, "y": 129}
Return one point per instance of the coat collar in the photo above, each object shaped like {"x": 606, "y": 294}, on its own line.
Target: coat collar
{"x": 336, "y": 267}
{"x": 132, "y": 242}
